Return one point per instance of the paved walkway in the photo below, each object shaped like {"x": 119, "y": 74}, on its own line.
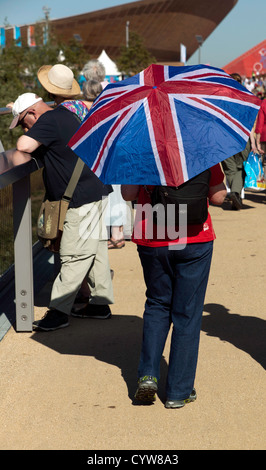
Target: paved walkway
{"x": 73, "y": 388}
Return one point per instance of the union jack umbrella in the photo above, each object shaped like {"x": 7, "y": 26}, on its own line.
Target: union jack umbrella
{"x": 165, "y": 125}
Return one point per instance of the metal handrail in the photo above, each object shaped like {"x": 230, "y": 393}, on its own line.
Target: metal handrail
{"x": 15, "y": 165}
{"x": 15, "y": 169}
{"x": 5, "y": 110}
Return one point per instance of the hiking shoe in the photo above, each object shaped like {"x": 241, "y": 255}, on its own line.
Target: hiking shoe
{"x": 93, "y": 311}
{"x": 147, "y": 387}
{"x": 52, "y": 320}
{"x": 236, "y": 201}
{"x": 181, "y": 403}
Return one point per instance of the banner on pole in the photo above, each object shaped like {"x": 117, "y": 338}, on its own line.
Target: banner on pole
{"x": 17, "y": 36}
{"x": 31, "y": 38}
{"x": 2, "y": 37}
{"x": 183, "y": 54}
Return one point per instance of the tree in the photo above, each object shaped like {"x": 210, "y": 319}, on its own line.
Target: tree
{"x": 18, "y": 72}
{"x": 135, "y": 57}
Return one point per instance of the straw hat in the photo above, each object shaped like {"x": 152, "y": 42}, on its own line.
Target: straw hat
{"x": 58, "y": 80}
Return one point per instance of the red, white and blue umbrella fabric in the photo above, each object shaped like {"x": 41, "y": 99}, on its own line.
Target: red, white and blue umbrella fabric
{"x": 165, "y": 125}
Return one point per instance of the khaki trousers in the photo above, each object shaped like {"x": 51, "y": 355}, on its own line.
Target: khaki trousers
{"x": 83, "y": 253}
{"x": 234, "y": 170}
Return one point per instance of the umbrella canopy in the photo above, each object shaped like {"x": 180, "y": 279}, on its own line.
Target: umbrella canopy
{"x": 165, "y": 125}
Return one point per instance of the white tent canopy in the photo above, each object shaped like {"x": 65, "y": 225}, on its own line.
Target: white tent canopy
{"x": 110, "y": 66}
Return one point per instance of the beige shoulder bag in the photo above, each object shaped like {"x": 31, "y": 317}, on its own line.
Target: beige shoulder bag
{"x": 52, "y": 214}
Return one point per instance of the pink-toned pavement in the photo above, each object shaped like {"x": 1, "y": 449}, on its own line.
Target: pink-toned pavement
{"x": 73, "y": 388}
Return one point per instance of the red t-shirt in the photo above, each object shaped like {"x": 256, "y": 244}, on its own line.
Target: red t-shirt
{"x": 149, "y": 235}
{"x": 261, "y": 122}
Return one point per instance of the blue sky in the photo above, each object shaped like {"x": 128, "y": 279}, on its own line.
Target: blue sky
{"x": 243, "y": 28}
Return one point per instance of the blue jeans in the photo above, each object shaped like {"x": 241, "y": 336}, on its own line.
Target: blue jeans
{"x": 176, "y": 282}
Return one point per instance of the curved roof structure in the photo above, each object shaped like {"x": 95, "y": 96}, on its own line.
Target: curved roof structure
{"x": 252, "y": 61}
{"x": 163, "y": 25}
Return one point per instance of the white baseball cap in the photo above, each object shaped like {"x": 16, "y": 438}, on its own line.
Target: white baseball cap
{"x": 22, "y": 102}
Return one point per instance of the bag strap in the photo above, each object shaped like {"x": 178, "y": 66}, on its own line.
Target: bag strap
{"x": 73, "y": 180}
{"x": 77, "y": 170}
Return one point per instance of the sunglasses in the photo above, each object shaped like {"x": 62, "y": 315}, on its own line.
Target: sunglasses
{"x": 22, "y": 119}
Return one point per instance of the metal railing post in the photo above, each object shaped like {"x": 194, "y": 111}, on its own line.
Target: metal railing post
{"x": 23, "y": 254}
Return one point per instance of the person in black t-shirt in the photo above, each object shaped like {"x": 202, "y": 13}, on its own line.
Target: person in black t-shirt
{"x": 83, "y": 248}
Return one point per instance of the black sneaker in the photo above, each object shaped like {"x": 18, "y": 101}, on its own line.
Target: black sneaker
{"x": 52, "y": 320}
{"x": 147, "y": 387}
{"x": 181, "y": 403}
{"x": 93, "y": 311}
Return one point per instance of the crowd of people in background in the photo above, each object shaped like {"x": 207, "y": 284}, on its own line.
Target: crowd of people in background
{"x": 233, "y": 166}
{"x": 256, "y": 84}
